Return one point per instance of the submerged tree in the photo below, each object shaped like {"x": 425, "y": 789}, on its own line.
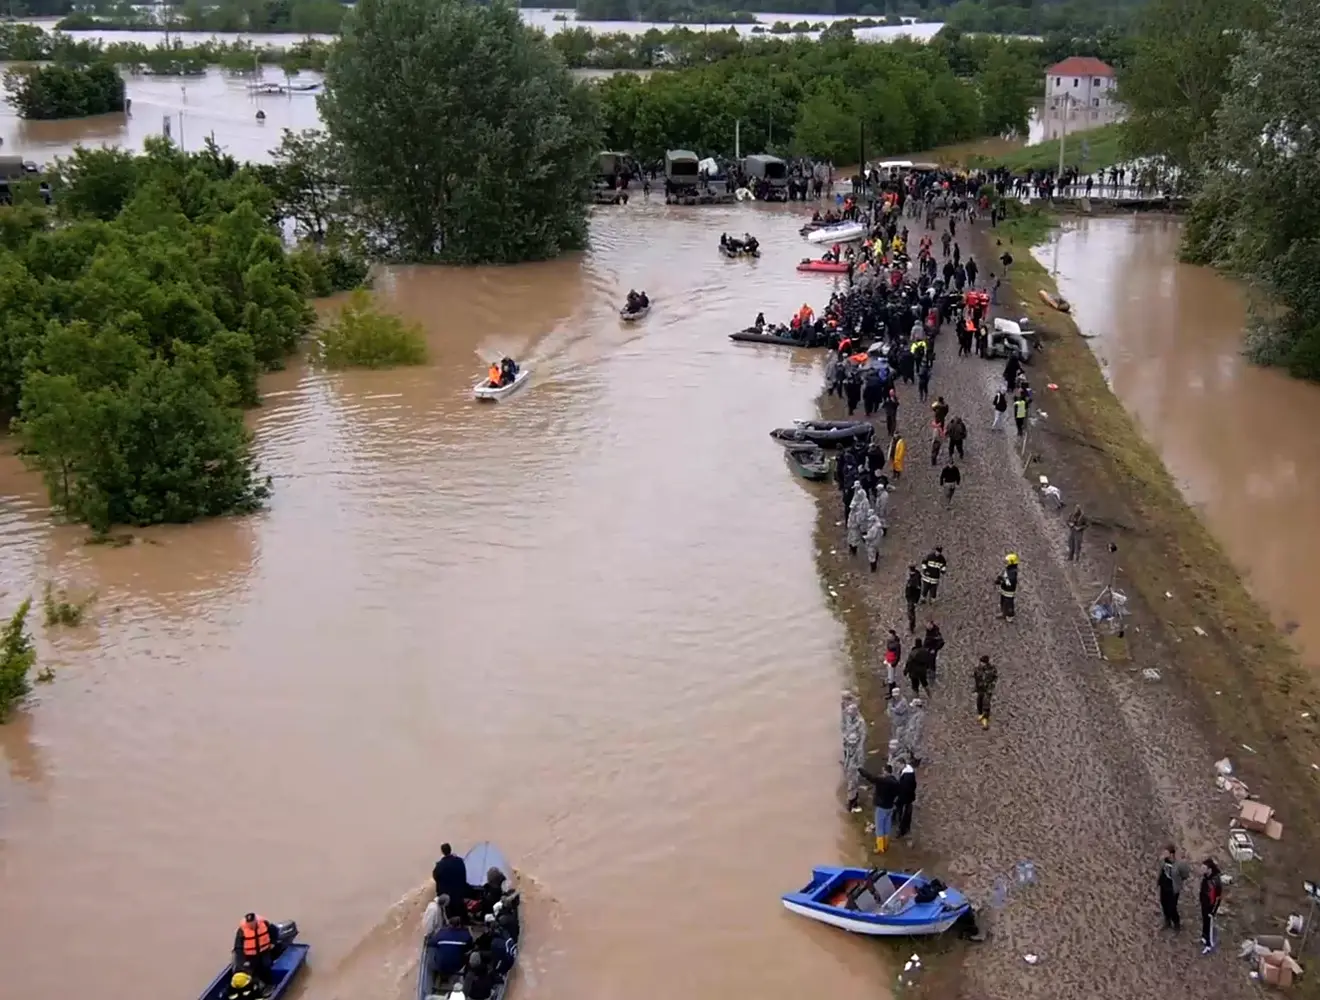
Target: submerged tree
{"x": 1266, "y": 148}
{"x": 463, "y": 136}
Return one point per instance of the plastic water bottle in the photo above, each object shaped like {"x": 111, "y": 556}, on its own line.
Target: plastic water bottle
{"x": 1026, "y": 872}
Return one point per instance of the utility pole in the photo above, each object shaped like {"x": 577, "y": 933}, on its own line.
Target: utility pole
{"x": 737, "y": 140}
{"x": 1063, "y": 139}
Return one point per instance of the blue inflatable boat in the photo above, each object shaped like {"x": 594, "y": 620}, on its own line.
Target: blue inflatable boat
{"x": 879, "y": 903}
{"x": 290, "y": 957}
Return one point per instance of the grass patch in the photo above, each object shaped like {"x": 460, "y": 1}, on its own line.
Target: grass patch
{"x": 59, "y": 610}
{"x": 362, "y": 336}
{"x": 1103, "y": 150}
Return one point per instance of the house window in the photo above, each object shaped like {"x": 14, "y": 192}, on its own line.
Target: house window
{"x": 1076, "y": 81}
{"x": 1096, "y": 82}
{"x": 1058, "y": 82}
{"x": 1095, "y": 102}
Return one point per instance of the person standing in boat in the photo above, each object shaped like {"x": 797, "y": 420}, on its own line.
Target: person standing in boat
{"x": 254, "y": 947}
{"x": 494, "y": 376}
{"x": 450, "y": 877}
{"x": 885, "y": 790}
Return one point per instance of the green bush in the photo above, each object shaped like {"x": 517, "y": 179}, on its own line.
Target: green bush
{"x": 61, "y": 91}
{"x": 17, "y": 656}
{"x": 59, "y": 610}
{"x": 363, "y": 337}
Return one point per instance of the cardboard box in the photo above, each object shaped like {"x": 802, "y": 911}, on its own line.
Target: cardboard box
{"x": 1277, "y": 969}
{"x": 1255, "y": 815}
{"x": 1274, "y": 829}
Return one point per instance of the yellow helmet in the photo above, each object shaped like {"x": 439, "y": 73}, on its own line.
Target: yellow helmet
{"x": 1011, "y": 559}
{"x": 240, "y": 981}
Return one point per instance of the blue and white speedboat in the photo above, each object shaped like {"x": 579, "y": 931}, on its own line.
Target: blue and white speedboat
{"x": 878, "y": 903}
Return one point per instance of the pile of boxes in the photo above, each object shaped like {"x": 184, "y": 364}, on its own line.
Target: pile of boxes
{"x": 1257, "y": 816}
{"x": 1274, "y": 962}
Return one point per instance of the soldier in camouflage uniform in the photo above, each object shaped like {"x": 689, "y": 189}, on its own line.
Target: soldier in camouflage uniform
{"x": 853, "y": 731}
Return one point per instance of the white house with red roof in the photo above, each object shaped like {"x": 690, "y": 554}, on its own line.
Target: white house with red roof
{"x": 1080, "y": 82}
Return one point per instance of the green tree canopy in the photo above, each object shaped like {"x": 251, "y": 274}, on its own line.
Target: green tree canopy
{"x": 463, "y": 136}
{"x": 133, "y": 328}
{"x": 1259, "y": 212}
{"x": 1178, "y": 75}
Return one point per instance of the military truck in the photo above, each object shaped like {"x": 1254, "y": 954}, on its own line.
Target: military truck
{"x": 612, "y": 176}
{"x": 767, "y": 176}
{"x": 682, "y": 168}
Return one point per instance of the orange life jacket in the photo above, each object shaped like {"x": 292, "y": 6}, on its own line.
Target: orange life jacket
{"x": 256, "y": 937}
{"x": 494, "y": 374}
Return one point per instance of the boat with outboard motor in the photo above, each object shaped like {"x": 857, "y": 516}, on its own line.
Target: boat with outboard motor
{"x": 808, "y": 265}
{"x": 826, "y": 433}
{"x": 733, "y": 248}
{"x": 878, "y": 903}
{"x": 289, "y": 957}
{"x": 634, "y": 316}
{"x": 808, "y": 460}
{"x": 490, "y": 393}
{"x": 843, "y": 232}
{"x": 478, "y": 862}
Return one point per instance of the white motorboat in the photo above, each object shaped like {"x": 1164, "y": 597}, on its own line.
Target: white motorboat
{"x": 844, "y": 232}
{"x": 485, "y": 391}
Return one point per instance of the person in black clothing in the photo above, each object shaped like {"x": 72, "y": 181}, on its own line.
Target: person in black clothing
{"x": 933, "y": 643}
{"x": 912, "y": 594}
{"x": 933, "y": 568}
{"x": 885, "y": 787}
{"x": 907, "y": 798}
{"x": 450, "y": 875}
{"x": 1212, "y": 891}
{"x": 852, "y": 391}
{"x": 479, "y": 981}
{"x": 1169, "y": 882}
{"x": 890, "y": 406}
{"x": 950, "y": 479}
{"x": 917, "y": 667}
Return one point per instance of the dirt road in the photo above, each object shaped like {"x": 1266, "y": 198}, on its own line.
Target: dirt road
{"x": 1087, "y": 770}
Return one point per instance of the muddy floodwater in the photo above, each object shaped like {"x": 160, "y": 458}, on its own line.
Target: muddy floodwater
{"x": 1239, "y": 439}
{"x": 584, "y": 623}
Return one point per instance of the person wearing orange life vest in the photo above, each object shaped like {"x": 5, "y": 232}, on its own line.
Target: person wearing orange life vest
{"x": 493, "y": 376}
{"x": 254, "y": 946}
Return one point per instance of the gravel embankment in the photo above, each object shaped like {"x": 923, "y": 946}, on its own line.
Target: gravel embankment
{"x": 1087, "y": 770}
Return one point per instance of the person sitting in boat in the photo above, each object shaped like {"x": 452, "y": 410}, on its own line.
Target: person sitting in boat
{"x": 634, "y": 301}
{"x": 495, "y": 947}
{"x": 508, "y": 371}
{"x": 759, "y": 325}
{"x": 831, "y": 255}
{"x": 449, "y": 947}
{"x": 506, "y": 916}
{"x": 815, "y": 216}
{"x": 492, "y": 892}
{"x": 644, "y": 300}
{"x": 750, "y": 243}
{"x": 242, "y": 987}
{"x": 494, "y": 376}
{"x": 479, "y": 981}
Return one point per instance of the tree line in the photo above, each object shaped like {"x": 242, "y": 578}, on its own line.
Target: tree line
{"x": 267, "y": 16}
{"x": 1225, "y": 98}
{"x": 29, "y": 43}
{"x": 823, "y": 99}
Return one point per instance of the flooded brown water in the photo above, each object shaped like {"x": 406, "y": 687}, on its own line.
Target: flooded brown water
{"x": 584, "y": 623}
{"x": 1239, "y": 439}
